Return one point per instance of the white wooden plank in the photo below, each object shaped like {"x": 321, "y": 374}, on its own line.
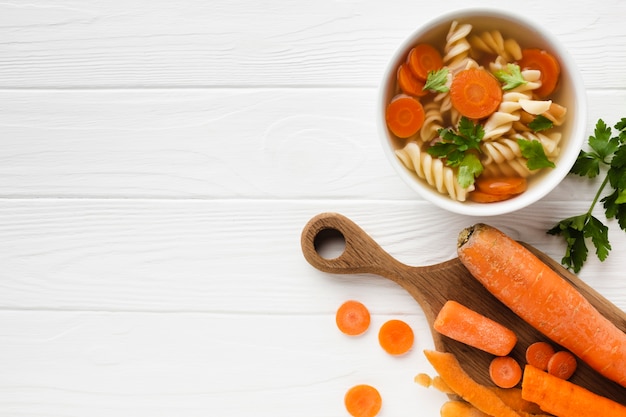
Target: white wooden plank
{"x": 236, "y": 257}
{"x": 230, "y": 143}
{"x": 187, "y": 365}
{"x": 242, "y": 43}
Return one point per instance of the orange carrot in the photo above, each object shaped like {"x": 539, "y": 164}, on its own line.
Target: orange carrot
{"x": 352, "y": 318}
{"x": 505, "y": 372}
{"x": 501, "y": 185}
{"x": 538, "y": 354}
{"x": 539, "y": 59}
{"x": 483, "y": 398}
{"x": 396, "y": 337}
{"x": 404, "y": 116}
{"x": 565, "y": 399}
{"x": 363, "y": 401}
{"x": 481, "y": 197}
{"x": 513, "y": 398}
{"x": 562, "y": 364}
{"x": 475, "y": 93}
{"x": 543, "y": 298}
{"x": 465, "y": 325}
{"x": 409, "y": 83}
{"x": 424, "y": 58}
{"x": 455, "y": 408}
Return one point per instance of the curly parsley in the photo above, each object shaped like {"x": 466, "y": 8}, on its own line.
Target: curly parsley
{"x": 607, "y": 151}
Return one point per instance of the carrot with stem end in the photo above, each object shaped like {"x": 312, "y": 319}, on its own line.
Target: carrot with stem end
{"x": 543, "y": 298}
{"x": 404, "y": 116}
{"x": 562, "y": 364}
{"x": 396, "y": 337}
{"x": 352, "y": 318}
{"x": 465, "y": 325}
{"x": 475, "y": 93}
{"x": 565, "y": 399}
{"x": 538, "y": 354}
{"x": 505, "y": 372}
{"x": 363, "y": 401}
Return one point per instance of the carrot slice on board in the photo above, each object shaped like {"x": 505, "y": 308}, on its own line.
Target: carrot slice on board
{"x": 404, "y": 116}
{"x": 562, "y": 364}
{"x": 501, "y": 185}
{"x": 396, "y": 337}
{"x": 546, "y": 63}
{"x": 505, "y": 372}
{"x": 424, "y": 58}
{"x": 409, "y": 83}
{"x": 363, "y": 401}
{"x": 538, "y": 354}
{"x": 475, "y": 93}
{"x": 352, "y": 318}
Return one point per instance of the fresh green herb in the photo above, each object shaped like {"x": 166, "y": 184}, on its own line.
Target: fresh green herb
{"x": 437, "y": 81}
{"x": 607, "y": 151}
{"x": 535, "y": 156}
{"x": 540, "y": 123}
{"x": 459, "y": 150}
{"x": 511, "y": 77}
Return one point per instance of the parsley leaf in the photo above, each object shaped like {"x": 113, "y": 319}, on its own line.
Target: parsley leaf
{"x": 437, "y": 81}
{"x": 533, "y": 151}
{"x": 511, "y": 77}
{"x": 609, "y": 152}
{"x": 540, "y": 123}
{"x": 459, "y": 150}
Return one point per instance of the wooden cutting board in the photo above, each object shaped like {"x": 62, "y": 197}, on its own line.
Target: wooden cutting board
{"x": 432, "y": 286}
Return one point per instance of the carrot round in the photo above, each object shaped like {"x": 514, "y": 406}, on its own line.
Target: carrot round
{"x": 565, "y": 399}
{"x": 363, "y": 401}
{"x": 546, "y": 63}
{"x": 424, "y": 58}
{"x": 475, "y": 93}
{"x": 396, "y": 337}
{"x": 538, "y": 354}
{"x": 404, "y": 116}
{"x": 543, "y": 298}
{"x": 352, "y": 318}
{"x": 409, "y": 83}
{"x": 505, "y": 372}
{"x": 562, "y": 364}
{"x": 465, "y": 325}
{"x": 500, "y": 186}
{"x": 478, "y": 196}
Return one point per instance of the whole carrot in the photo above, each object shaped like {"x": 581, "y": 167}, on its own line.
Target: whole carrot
{"x": 543, "y": 298}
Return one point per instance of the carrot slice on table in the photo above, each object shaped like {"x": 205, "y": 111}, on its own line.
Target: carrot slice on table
{"x": 404, "y": 116}
{"x": 501, "y": 185}
{"x": 475, "y": 93}
{"x": 363, "y": 401}
{"x": 424, "y": 58}
{"x": 562, "y": 364}
{"x": 538, "y": 354}
{"x": 396, "y": 337}
{"x": 546, "y": 63}
{"x": 480, "y": 396}
{"x": 409, "y": 83}
{"x": 543, "y": 298}
{"x": 352, "y": 318}
{"x": 565, "y": 399}
{"x": 505, "y": 372}
{"x": 465, "y": 325}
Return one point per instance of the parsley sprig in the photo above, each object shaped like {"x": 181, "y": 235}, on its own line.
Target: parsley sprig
{"x": 511, "y": 77}
{"x": 607, "y": 152}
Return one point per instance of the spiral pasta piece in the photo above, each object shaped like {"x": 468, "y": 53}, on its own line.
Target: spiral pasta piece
{"x": 492, "y": 42}
{"x": 433, "y": 171}
{"x": 433, "y": 121}
{"x": 456, "y": 50}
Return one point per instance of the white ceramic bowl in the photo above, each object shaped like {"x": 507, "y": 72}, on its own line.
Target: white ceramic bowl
{"x": 570, "y": 93}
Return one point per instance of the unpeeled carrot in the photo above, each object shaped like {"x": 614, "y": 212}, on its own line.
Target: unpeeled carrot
{"x": 363, "y": 401}
{"x": 396, "y": 337}
{"x": 483, "y": 398}
{"x": 424, "y": 58}
{"x": 505, "y": 372}
{"x": 352, "y": 318}
{"x": 543, "y": 298}
{"x": 465, "y": 325}
{"x": 562, "y": 364}
{"x": 475, "y": 93}
{"x": 538, "y": 354}
{"x": 546, "y": 63}
{"x": 404, "y": 116}
{"x": 565, "y": 399}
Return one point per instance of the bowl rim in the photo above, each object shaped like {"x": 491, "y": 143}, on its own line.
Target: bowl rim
{"x": 568, "y": 155}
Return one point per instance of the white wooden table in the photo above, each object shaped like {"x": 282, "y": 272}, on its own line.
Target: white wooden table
{"x": 158, "y": 161}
